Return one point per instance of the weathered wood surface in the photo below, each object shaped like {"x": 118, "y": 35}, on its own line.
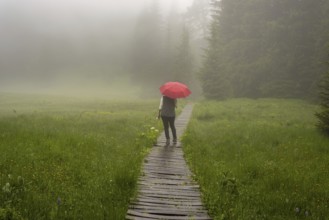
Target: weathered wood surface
{"x": 166, "y": 189}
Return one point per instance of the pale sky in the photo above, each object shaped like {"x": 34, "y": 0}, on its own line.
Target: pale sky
{"x": 86, "y": 10}
{"x": 93, "y": 5}
{"x": 54, "y": 15}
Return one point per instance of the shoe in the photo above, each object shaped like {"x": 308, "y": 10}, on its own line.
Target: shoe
{"x": 175, "y": 141}
{"x": 167, "y": 141}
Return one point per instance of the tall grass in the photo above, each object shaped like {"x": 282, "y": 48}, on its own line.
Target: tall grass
{"x": 71, "y": 159}
{"x": 259, "y": 159}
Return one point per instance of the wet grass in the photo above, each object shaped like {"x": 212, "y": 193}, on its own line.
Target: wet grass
{"x": 259, "y": 159}
{"x": 70, "y": 158}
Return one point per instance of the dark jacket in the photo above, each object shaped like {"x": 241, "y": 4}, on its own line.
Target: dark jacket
{"x": 168, "y": 107}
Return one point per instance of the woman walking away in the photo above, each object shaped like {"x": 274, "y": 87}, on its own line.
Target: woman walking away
{"x": 167, "y": 114}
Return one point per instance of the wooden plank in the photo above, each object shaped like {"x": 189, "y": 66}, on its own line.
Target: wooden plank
{"x": 173, "y": 212}
{"x": 169, "y": 197}
{"x": 168, "y": 194}
{"x": 167, "y": 176}
{"x": 165, "y": 181}
{"x": 174, "y": 151}
{"x": 170, "y": 176}
{"x": 148, "y": 205}
{"x": 170, "y": 212}
{"x": 171, "y": 171}
{"x": 158, "y": 186}
{"x": 169, "y": 202}
{"x": 169, "y": 217}
{"x": 170, "y": 209}
{"x": 164, "y": 191}
{"x": 171, "y": 167}
{"x": 166, "y": 202}
{"x": 178, "y": 198}
{"x": 157, "y": 161}
{"x": 162, "y": 177}
{"x": 187, "y": 196}
{"x": 129, "y": 217}
{"x": 171, "y": 192}
{"x": 175, "y": 154}
{"x": 166, "y": 166}
{"x": 169, "y": 189}
{"x": 166, "y": 159}
{"x": 151, "y": 204}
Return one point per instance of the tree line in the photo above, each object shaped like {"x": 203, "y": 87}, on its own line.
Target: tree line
{"x": 265, "y": 48}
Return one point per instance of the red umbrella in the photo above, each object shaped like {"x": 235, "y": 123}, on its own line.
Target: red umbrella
{"x": 175, "y": 90}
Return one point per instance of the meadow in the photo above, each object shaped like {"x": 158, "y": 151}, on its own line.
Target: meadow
{"x": 70, "y": 158}
{"x": 259, "y": 159}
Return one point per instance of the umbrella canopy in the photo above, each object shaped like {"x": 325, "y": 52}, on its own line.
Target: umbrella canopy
{"x": 175, "y": 90}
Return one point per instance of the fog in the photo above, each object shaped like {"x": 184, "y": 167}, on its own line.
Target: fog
{"x": 71, "y": 46}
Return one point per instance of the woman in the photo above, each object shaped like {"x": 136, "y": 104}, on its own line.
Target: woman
{"x": 167, "y": 114}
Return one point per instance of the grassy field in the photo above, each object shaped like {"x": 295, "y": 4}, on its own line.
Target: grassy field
{"x": 259, "y": 159}
{"x": 67, "y": 158}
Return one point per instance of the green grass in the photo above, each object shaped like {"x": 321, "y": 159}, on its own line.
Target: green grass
{"x": 70, "y": 158}
{"x": 259, "y": 159}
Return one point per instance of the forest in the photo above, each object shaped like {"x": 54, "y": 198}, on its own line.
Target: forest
{"x": 261, "y": 48}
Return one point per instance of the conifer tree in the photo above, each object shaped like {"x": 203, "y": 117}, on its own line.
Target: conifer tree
{"x": 197, "y": 18}
{"x": 183, "y": 67}
{"x": 323, "y": 116}
{"x": 214, "y": 81}
{"x": 171, "y": 40}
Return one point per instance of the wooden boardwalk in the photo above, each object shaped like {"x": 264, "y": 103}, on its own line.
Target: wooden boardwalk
{"x": 166, "y": 190}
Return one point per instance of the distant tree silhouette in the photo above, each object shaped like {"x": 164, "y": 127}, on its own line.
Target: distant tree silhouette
{"x": 323, "y": 116}
{"x": 183, "y": 67}
{"x": 146, "y": 50}
{"x": 214, "y": 79}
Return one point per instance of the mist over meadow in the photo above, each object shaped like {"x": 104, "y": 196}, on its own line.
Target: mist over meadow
{"x": 220, "y": 49}
{"x": 73, "y": 47}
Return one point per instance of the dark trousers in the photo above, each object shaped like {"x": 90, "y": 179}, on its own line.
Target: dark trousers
{"x": 169, "y": 121}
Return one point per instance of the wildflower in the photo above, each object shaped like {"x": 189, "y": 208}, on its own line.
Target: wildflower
{"x": 307, "y": 213}
{"x": 59, "y": 201}
{"x": 6, "y": 188}
{"x": 297, "y": 210}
